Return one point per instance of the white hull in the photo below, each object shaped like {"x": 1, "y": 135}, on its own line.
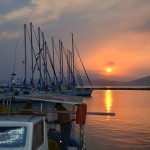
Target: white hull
{"x": 79, "y": 92}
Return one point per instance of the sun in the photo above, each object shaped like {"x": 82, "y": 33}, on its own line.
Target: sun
{"x": 108, "y": 70}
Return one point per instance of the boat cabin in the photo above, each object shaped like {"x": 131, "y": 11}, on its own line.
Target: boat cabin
{"x": 25, "y": 132}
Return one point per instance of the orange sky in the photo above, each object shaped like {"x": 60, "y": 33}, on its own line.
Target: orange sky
{"x": 113, "y": 34}
{"x": 127, "y": 54}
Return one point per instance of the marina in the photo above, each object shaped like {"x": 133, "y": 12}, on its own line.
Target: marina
{"x": 74, "y": 75}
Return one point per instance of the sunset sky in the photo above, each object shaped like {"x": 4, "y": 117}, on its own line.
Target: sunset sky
{"x": 112, "y": 36}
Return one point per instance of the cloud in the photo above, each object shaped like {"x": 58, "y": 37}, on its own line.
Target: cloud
{"x": 43, "y": 11}
{"x": 110, "y": 64}
{"x": 9, "y": 35}
{"x": 38, "y": 10}
{"x": 109, "y": 16}
{"x": 143, "y": 26}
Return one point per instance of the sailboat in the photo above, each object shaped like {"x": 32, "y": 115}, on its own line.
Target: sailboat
{"x": 74, "y": 75}
{"x": 40, "y": 62}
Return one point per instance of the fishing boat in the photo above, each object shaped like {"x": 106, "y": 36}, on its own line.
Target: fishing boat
{"x": 22, "y": 132}
{"x": 33, "y": 129}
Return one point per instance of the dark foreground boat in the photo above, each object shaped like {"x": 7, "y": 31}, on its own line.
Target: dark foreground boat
{"x": 33, "y": 129}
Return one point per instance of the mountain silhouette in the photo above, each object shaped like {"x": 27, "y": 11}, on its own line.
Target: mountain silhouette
{"x": 144, "y": 81}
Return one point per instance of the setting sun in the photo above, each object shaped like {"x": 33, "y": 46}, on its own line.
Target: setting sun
{"x": 108, "y": 70}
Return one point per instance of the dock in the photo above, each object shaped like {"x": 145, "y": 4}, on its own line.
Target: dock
{"x": 118, "y": 87}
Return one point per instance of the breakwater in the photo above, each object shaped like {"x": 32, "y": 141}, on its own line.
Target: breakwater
{"x": 117, "y": 87}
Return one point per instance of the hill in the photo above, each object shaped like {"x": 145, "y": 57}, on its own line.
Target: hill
{"x": 104, "y": 82}
{"x": 145, "y": 81}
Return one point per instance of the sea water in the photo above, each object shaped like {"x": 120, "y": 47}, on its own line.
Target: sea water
{"x": 128, "y": 130}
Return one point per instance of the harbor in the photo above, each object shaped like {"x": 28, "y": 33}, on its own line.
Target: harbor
{"x": 74, "y": 75}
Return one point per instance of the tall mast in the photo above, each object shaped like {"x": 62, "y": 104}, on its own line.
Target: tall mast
{"x": 83, "y": 66}
{"x": 69, "y": 64}
{"x": 45, "y": 59}
{"x": 73, "y": 66}
{"x": 46, "y": 64}
{"x": 32, "y": 79}
{"x": 25, "y": 49}
{"x": 60, "y": 62}
{"x": 39, "y": 44}
{"x": 53, "y": 60}
{"x": 70, "y": 67}
{"x": 44, "y": 49}
{"x": 62, "y": 67}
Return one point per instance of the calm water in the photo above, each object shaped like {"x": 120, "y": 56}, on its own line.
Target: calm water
{"x": 128, "y": 130}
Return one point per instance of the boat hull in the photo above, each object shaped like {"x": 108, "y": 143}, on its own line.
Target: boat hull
{"x": 79, "y": 92}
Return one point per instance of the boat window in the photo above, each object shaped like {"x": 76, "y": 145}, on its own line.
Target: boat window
{"x": 38, "y": 135}
{"x": 12, "y": 137}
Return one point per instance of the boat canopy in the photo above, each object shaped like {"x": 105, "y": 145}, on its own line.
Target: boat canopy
{"x": 55, "y": 98}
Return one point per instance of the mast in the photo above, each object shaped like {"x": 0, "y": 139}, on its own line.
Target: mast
{"x": 25, "y": 49}
{"x": 45, "y": 59}
{"x": 32, "y": 79}
{"x": 46, "y": 84}
{"x": 60, "y": 62}
{"x": 39, "y": 44}
{"x": 62, "y": 72}
{"x": 73, "y": 66}
{"x": 43, "y": 43}
{"x": 50, "y": 59}
{"x": 68, "y": 68}
{"x": 53, "y": 60}
{"x": 83, "y": 66}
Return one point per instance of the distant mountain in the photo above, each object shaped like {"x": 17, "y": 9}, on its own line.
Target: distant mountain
{"x": 145, "y": 81}
{"x": 104, "y": 82}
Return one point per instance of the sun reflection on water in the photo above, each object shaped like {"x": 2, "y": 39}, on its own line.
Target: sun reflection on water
{"x": 108, "y": 100}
